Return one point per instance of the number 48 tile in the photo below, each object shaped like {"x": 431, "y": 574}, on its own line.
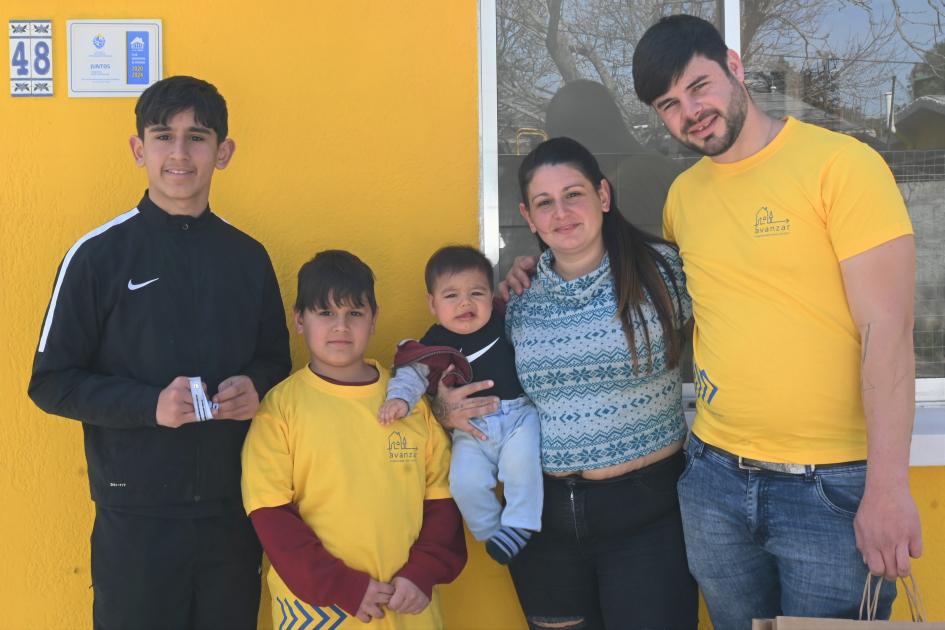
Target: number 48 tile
{"x": 31, "y": 68}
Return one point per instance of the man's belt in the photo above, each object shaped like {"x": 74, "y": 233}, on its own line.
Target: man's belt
{"x": 747, "y": 463}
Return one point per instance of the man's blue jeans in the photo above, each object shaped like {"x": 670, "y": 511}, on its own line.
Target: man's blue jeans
{"x": 763, "y": 544}
{"x": 512, "y": 455}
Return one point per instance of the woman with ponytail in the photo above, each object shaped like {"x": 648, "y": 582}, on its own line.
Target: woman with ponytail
{"x": 598, "y": 337}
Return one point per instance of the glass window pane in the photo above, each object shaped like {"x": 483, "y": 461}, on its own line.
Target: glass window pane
{"x": 578, "y": 83}
{"x": 873, "y": 69}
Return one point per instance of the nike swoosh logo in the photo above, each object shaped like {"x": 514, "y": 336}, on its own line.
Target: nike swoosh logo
{"x": 479, "y": 353}
{"x": 134, "y": 287}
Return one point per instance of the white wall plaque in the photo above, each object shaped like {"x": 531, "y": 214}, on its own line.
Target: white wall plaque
{"x": 31, "y": 68}
{"x": 114, "y": 57}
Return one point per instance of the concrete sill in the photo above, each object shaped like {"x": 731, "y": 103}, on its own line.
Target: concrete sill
{"x": 928, "y": 437}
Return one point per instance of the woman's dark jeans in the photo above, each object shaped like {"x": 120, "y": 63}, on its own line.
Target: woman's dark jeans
{"x": 610, "y": 554}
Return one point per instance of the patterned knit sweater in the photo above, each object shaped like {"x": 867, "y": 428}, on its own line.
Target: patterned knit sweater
{"x": 574, "y": 363}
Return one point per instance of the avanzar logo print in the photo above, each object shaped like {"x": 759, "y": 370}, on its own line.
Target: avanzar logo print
{"x": 398, "y": 450}
{"x": 767, "y": 225}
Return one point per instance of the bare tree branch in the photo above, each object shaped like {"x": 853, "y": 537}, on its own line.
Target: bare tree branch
{"x": 559, "y": 46}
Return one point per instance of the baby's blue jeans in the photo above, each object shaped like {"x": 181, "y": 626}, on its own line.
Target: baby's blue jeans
{"x": 512, "y": 455}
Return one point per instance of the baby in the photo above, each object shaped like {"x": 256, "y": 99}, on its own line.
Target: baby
{"x": 470, "y": 336}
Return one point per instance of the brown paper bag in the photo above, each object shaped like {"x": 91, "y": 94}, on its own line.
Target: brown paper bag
{"x": 810, "y": 623}
{"x": 868, "y": 605}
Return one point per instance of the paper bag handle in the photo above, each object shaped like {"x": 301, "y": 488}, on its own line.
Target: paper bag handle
{"x": 869, "y": 602}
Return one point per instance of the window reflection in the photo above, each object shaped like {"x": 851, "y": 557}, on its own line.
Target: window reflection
{"x": 867, "y": 68}
{"x": 564, "y": 68}
{"x": 871, "y": 69}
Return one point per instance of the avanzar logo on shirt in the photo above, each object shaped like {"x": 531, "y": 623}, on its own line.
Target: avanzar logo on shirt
{"x": 398, "y": 450}
{"x": 766, "y": 225}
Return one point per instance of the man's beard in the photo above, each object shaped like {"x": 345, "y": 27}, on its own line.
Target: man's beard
{"x": 733, "y": 120}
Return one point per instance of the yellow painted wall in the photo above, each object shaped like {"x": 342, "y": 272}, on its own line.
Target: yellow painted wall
{"x": 356, "y": 127}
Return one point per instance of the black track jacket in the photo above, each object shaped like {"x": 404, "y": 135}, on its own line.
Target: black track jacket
{"x": 138, "y": 301}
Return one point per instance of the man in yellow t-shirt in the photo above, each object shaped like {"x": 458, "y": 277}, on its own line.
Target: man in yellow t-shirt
{"x": 355, "y": 517}
{"x": 799, "y": 257}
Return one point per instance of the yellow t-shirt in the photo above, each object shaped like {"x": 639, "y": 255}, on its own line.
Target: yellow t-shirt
{"x": 360, "y": 486}
{"x": 776, "y": 349}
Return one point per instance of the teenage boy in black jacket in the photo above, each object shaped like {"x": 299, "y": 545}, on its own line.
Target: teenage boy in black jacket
{"x": 164, "y": 292}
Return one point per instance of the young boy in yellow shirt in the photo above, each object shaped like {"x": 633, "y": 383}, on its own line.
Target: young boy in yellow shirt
{"x": 356, "y": 518}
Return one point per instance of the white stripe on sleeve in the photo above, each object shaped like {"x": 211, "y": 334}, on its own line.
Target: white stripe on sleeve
{"x": 65, "y": 265}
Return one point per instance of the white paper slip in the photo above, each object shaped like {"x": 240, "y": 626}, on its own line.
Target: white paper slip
{"x": 202, "y": 407}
